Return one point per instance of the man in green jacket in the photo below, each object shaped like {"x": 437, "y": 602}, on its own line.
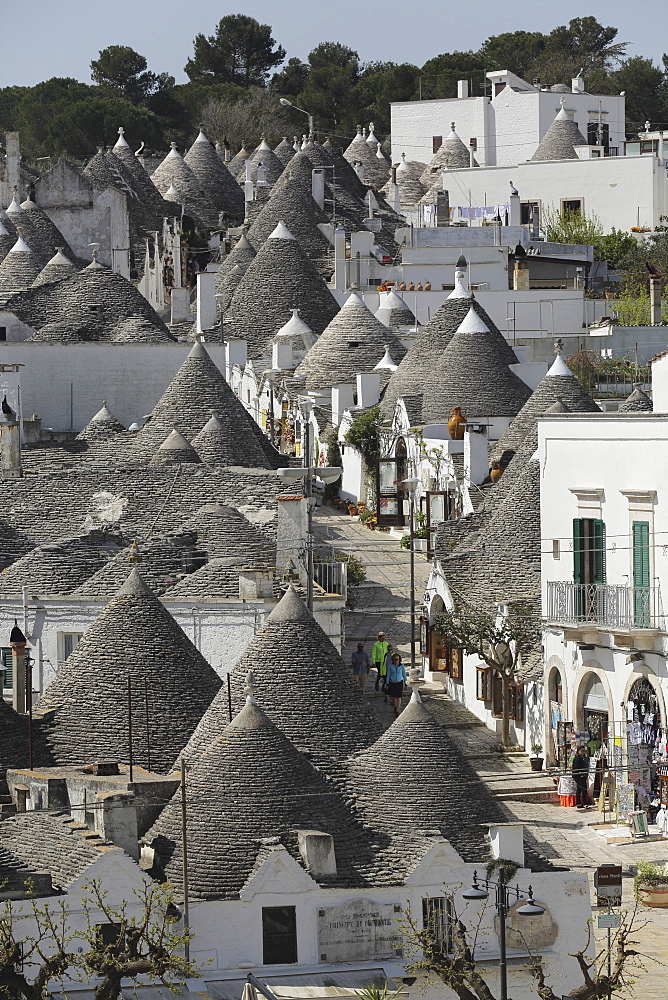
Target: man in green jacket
{"x": 379, "y": 658}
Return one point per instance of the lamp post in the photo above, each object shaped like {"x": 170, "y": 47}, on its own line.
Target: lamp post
{"x": 270, "y": 375}
{"x": 309, "y": 473}
{"x": 411, "y": 487}
{"x": 503, "y": 892}
{"x": 288, "y": 104}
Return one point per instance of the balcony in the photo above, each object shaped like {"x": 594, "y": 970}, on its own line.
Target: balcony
{"x": 605, "y": 606}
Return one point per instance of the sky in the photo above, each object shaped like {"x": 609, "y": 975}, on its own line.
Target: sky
{"x": 61, "y": 38}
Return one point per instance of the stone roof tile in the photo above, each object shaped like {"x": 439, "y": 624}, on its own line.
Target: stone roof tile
{"x": 52, "y": 842}
{"x": 638, "y": 401}
{"x": 559, "y": 140}
{"x": 214, "y": 178}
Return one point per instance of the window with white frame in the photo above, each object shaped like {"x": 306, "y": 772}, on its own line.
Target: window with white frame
{"x": 438, "y": 917}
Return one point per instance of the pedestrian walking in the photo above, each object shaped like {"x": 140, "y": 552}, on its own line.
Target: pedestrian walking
{"x": 388, "y": 661}
{"x": 379, "y": 658}
{"x": 360, "y": 663}
{"x": 396, "y": 678}
{"x": 580, "y": 776}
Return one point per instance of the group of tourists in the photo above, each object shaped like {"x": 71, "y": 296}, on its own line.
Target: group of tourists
{"x": 391, "y": 677}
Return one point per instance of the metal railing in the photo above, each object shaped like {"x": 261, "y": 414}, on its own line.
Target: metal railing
{"x": 330, "y": 577}
{"x": 613, "y": 606}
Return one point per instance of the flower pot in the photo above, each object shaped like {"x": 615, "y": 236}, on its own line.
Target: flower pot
{"x": 457, "y": 424}
{"x": 654, "y": 895}
{"x": 495, "y": 472}
{"x": 420, "y": 544}
{"x": 352, "y": 510}
{"x": 536, "y": 763}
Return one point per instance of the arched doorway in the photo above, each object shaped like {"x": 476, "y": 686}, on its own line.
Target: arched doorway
{"x": 437, "y": 646}
{"x": 643, "y": 725}
{"x": 595, "y": 710}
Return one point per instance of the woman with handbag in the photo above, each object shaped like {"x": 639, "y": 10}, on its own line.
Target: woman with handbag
{"x": 396, "y": 678}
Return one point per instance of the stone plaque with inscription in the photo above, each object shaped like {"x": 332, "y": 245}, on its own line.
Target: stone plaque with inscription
{"x": 359, "y": 931}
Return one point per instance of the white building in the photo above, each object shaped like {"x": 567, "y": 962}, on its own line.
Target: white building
{"x": 506, "y": 128}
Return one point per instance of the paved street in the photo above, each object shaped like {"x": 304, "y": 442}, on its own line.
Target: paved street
{"x": 562, "y": 835}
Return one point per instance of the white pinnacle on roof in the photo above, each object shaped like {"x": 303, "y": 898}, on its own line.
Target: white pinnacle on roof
{"x": 379, "y": 153}
{"x": 20, "y": 246}
{"x": 171, "y": 194}
{"x": 403, "y": 166}
{"x": 559, "y": 367}
{"x": 371, "y": 138}
{"x": 121, "y": 142}
{"x": 281, "y": 232}
{"x": 472, "y": 323}
{"x": 353, "y": 300}
{"x": 563, "y": 116}
{"x": 386, "y": 363}
{"x": 173, "y": 153}
{"x": 264, "y": 146}
{"x": 201, "y": 137}
{"x": 296, "y": 327}
{"x": 14, "y": 205}
{"x": 415, "y": 697}
{"x": 461, "y": 289}
{"x": 359, "y": 137}
{"x": 3, "y": 231}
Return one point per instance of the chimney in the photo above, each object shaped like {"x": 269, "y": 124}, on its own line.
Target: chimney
{"x": 180, "y": 305}
{"x": 10, "y": 443}
{"x": 535, "y": 223}
{"x": 342, "y": 400}
{"x": 318, "y": 186}
{"x": 256, "y": 583}
{"x": 655, "y": 300}
{"x": 261, "y": 175}
{"x": 207, "y": 314}
{"x": 462, "y": 88}
{"x": 471, "y": 154}
{"x": 317, "y": 851}
{"x": 248, "y": 182}
{"x": 507, "y": 841}
{"x": 17, "y": 641}
{"x": 340, "y": 259}
{"x": 116, "y": 814}
{"x": 521, "y": 276}
{"x": 476, "y": 452}
{"x": 577, "y": 84}
{"x": 358, "y": 167}
{"x": 281, "y": 355}
{"x": 368, "y": 389}
{"x": 291, "y": 532}
{"x": 443, "y": 208}
{"x": 515, "y": 215}
{"x": 236, "y": 353}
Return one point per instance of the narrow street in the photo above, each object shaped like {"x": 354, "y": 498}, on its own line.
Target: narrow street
{"x": 562, "y": 835}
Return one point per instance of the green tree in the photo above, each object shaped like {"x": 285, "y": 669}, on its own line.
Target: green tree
{"x": 240, "y": 51}
{"x": 245, "y": 116}
{"x": 571, "y": 227}
{"x": 382, "y": 83}
{"x": 502, "y": 642}
{"x": 516, "y": 51}
{"x": 646, "y": 92}
{"x": 93, "y": 122}
{"x": 125, "y": 71}
{"x": 329, "y": 92}
{"x": 586, "y": 41}
{"x": 39, "y": 108}
{"x": 10, "y": 102}
{"x": 439, "y": 75}
{"x": 617, "y": 247}
{"x": 292, "y": 78}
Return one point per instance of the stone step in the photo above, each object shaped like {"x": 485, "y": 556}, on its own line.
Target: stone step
{"x": 524, "y": 795}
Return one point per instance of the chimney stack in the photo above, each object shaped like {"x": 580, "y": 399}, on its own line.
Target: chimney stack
{"x": 462, "y": 88}
{"x": 655, "y": 300}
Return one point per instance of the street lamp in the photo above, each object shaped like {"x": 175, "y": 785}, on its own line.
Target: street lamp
{"x": 411, "y": 488}
{"x": 288, "y": 104}
{"x": 309, "y": 474}
{"x": 502, "y": 903}
{"x": 270, "y": 374}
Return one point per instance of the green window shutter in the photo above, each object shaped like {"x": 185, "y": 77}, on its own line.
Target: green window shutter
{"x": 7, "y": 673}
{"x": 641, "y": 553}
{"x": 578, "y": 550}
{"x": 599, "y": 551}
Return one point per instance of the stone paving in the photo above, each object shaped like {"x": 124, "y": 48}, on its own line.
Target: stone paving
{"x": 562, "y": 835}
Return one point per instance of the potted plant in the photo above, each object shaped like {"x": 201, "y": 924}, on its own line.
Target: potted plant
{"x": 536, "y": 761}
{"x": 651, "y": 884}
{"x": 352, "y": 508}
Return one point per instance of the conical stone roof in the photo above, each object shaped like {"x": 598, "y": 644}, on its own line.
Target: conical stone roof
{"x": 353, "y": 342}
{"x": 263, "y": 154}
{"x": 41, "y": 248}
{"x": 237, "y": 165}
{"x": 233, "y": 267}
{"x": 376, "y": 171}
{"x": 429, "y": 796}
{"x": 559, "y": 140}
{"x": 280, "y": 278}
{"x": 411, "y": 189}
{"x": 417, "y": 373}
{"x": 196, "y": 390}
{"x": 393, "y": 311}
{"x": 18, "y": 270}
{"x": 58, "y": 268}
{"x": 473, "y": 373}
{"x": 133, "y": 637}
{"x": 59, "y": 567}
{"x": 175, "y": 172}
{"x": 222, "y": 531}
{"x": 637, "y": 402}
{"x": 452, "y": 155}
{"x": 214, "y": 443}
{"x": 301, "y": 215}
{"x": 175, "y": 450}
{"x": 214, "y": 177}
{"x": 7, "y": 241}
{"x": 163, "y": 561}
{"x": 559, "y": 384}
{"x": 251, "y": 784}
{"x": 151, "y": 199}
{"x": 327, "y": 719}
{"x": 284, "y": 151}
{"x": 48, "y": 230}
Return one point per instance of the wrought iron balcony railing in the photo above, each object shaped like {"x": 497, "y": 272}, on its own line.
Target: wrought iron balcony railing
{"x": 612, "y": 606}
